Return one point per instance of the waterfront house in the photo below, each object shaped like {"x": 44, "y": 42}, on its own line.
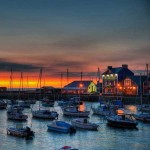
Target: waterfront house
{"x": 78, "y": 87}
{"x": 131, "y": 85}
{"x": 111, "y": 78}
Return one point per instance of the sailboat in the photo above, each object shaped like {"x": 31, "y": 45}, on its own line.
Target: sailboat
{"x": 22, "y": 103}
{"x": 11, "y": 100}
{"x": 16, "y": 114}
{"x": 44, "y": 114}
{"x": 75, "y": 111}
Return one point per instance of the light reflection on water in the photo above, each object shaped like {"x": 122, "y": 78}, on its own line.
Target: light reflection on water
{"x": 132, "y": 108}
{"x": 106, "y": 138}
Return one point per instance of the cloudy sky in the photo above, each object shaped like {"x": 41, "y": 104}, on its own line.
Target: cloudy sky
{"x": 80, "y": 35}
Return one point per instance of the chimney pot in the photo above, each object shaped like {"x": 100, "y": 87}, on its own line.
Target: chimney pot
{"x": 124, "y": 66}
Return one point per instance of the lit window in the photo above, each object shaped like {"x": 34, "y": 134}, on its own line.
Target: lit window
{"x": 127, "y": 82}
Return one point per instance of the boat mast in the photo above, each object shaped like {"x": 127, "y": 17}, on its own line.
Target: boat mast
{"x": 98, "y": 82}
{"x": 40, "y": 76}
{"x": 67, "y": 82}
{"x": 61, "y": 78}
{"x": 28, "y": 87}
{"x": 10, "y": 85}
{"x": 98, "y": 74}
{"x": 147, "y": 82}
{"x": 20, "y": 86}
{"x": 141, "y": 89}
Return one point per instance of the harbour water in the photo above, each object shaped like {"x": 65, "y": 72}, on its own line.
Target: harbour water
{"x": 106, "y": 138}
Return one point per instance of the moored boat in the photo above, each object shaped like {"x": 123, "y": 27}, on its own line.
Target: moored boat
{"x": 122, "y": 120}
{"x": 16, "y": 114}
{"x": 75, "y": 112}
{"x": 20, "y": 131}
{"x": 24, "y": 104}
{"x": 45, "y": 114}
{"x": 84, "y": 124}
{"x": 102, "y": 110}
{"x": 61, "y": 126}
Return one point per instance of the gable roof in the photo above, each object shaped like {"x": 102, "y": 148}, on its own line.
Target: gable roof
{"x": 76, "y": 84}
{"x": 118, "y": 70}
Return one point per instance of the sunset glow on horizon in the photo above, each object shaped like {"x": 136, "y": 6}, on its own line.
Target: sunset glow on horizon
{"x": 76, "y": 35}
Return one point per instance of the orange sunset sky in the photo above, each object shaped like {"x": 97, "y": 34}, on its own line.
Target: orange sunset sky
{"x": 76, "y": 35}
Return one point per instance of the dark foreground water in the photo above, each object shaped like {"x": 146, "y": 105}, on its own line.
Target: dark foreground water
{"x": 106, "y": 138}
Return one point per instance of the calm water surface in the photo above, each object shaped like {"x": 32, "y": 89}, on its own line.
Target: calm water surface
{"x": 106, "y": 138}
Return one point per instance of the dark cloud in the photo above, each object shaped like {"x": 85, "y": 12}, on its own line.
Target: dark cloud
{"x": 6, "y": 65}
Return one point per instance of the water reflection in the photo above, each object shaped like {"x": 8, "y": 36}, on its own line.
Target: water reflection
{"x": 131, "y": 108}
{"x": 105, "y": 138}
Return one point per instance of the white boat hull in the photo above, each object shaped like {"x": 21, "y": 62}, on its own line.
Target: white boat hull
{"x": 82, "y": 125}
{"x": 40, "y": 114}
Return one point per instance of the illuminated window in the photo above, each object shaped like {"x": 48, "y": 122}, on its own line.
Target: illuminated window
{"x": 127, "y": 82}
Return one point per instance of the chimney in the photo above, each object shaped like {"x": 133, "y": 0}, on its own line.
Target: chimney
{"x": 124, "y": 66}
{"x": 109, "y": 67}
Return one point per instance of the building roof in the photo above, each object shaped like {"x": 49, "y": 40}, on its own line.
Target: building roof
{"x": 117, "y": 70}
{"x": 76, "y": 84}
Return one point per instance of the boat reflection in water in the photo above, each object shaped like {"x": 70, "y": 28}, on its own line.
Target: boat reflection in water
{"x": 81, "y": 107}
{"x": 131, "y": 108}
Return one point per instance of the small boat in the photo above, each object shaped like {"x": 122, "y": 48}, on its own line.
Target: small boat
{"x": 71, "y": 102}
{"x": 62, "y": 103}
{"x": 20, "y": 131}
{"x": 144, "y": 117}
{"x": 45, "y": 114}
{"x": 61, "y": 126}
{"x": 84, "y": 124}
{"x": 75, "y": 112}
{"x": 67, "y": 148}
{"x": 122, "y": 120}
{"x": 24, "y": 104}
{"x": 3, "y": 104}
{"x": 102, "y": 110}
{"x": 16, "y": 114}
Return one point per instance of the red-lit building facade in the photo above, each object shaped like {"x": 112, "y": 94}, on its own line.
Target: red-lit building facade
{"x": 122, "y": 81}
{"x": 112, "y": 77}
{"x": 131, "y": 85}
